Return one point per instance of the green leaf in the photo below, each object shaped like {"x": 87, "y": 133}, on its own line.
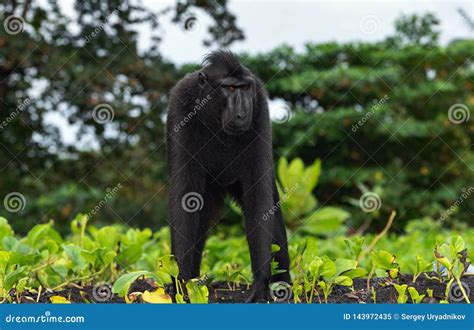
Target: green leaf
{"x": 311, "y": 175}
{"x": 329, "y": 268}
{"x": 168, "y": 265}
{"x": 343, "y": 280}
{"x": 343, "y": 265}
{"x": 124, "y": 282}
{"x": 421, "y": 265}
{"x": 401, "y": 290}
{"x": 458, "y": 269}
{"x": 13, "y": 277}
{"x": 39, "y": 233}
{"x": 383, "y": 259}
{"x": 315, "y": 266}
{"x": 355, "y": 245}
{"x": 325, "y": 220}
{"x": 356, "y": 273}
{"x": 5, "y": 229}
{"x": 5, "y": 257}
{"x": 457, "y": 243}
{"x": 73, "y": 252}
{"x": 282, "y": 170}
{"x": 107, "y": 237}
{"x": 415, "y": 296}
{"x": 198, "y": 293}
{"x": 275, "y": 248}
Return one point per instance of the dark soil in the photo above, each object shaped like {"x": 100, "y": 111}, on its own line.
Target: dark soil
{"x": 222, "y": 292}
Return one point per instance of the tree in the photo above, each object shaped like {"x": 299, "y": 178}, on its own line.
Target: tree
{"x": 87, "y": 68}
{"x": 416, "y": 30}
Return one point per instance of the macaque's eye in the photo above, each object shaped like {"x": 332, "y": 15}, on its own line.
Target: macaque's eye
{"x": 245, "y": 87}
{"x": 231, "y": 88}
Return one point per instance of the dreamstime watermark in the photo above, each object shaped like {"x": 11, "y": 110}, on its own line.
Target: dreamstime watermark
{"x": 374, "y": 108}
{"x": 44, "y": 318}
{"x": 110, "y": 193}
{"x": 370, "y": 202}
{"x": 280, "y": 291}
{"x": 197, "y": 107}
{"x": 14, "y": 202}
{"x": 369, "y": 24}
{"x": 101, "y": 26}
{"x": 376, "y": 283}
{"x": 277, "y": 205}
{"x": 103, "y": 113}
{"x": 455, "y": 292}
{"x": 468, "y": 19}
{"x": 192, "y": 202}
{"x": 102, "y": 292}
{"x": 20, "y": 108}
{"x": 14, "y": 25}
{"x": 191, "y": 24}
{"x": 284, "y": 115}
{"x": 465, "y": 193}
{"x": 203, "y": 280}
{"x": 459, "y": 113}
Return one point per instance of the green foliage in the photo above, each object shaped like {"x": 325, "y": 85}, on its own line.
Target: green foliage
{"x": 421, "y": 266}
{"x": 197, "y": 292}
{"x": 386, "y": 261}
{"x": 336, "y": 273}
{"x": 416, "y": 298}
{"x": 418, "y": 30}
{"x": 363, "y": 105}
{"x": 45, "y": 259}
{"x": 298, "y": 204}
{"x": 453, "y": 256}
{"x": 402, "y": 293}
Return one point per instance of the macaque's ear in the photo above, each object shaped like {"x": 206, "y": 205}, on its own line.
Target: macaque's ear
{"x": 202, "y": 79}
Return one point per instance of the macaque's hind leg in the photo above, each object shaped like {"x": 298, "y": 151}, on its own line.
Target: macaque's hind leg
{"x": 212, "y": 204}
{"x": 280, "y": 239}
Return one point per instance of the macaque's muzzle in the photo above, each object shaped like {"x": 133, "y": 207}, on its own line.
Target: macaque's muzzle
{"x": 237, "y": 115}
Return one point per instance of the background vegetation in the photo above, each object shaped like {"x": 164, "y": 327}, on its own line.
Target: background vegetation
{"x": 407, "y": 151}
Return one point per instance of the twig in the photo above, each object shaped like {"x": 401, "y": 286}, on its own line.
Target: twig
{"x": 77, "y": 279}
{"x": 379, "y": 236}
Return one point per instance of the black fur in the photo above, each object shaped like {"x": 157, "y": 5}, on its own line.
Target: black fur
{"x": 219, "y": 142}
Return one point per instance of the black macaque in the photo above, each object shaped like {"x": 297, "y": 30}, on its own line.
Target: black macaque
{"x": 219, "y": 142}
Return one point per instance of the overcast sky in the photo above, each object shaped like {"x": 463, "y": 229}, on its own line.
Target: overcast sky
{"x": 268, "y": 24}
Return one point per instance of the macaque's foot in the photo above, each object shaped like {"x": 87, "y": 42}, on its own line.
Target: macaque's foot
{"x": 259, "y": 293}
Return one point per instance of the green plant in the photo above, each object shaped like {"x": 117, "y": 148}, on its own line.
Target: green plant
{"x": 197, "y": 292}
{"x": 298, "y": 204}
{"x": 416, "y": 298}
{"x": 386, "y": 261}
{"x": 452, "y": 255}
{"x": 43, "y": 259}
{"x": 373, "y": 294}
{"x": 338, "y": 272}
{"x": 421, "y": 266}
{"x": 402, "y": 295}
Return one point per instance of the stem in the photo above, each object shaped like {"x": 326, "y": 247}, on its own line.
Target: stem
{"x": 312, "y": 290}
{"x": 463, "y": 291}
{"x": 48, "y": 263}
{"x": 78, "y": 279}
{"x": 39, "y": 293}
{"x": 379, "y": 236}
{"x": 83, "y": 231}
{"x": 369, "y": 277}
